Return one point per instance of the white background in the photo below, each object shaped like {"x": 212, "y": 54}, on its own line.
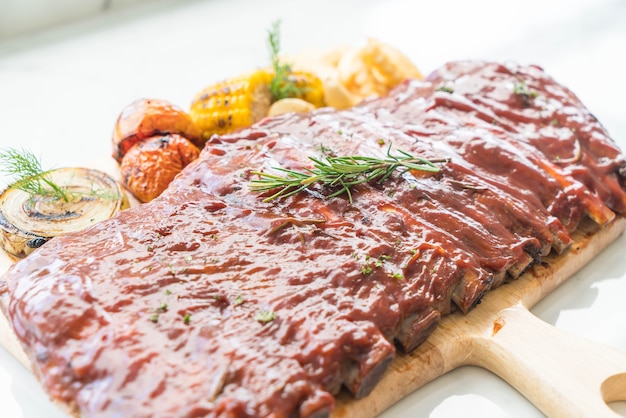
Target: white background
{"x": 62, "y": 88}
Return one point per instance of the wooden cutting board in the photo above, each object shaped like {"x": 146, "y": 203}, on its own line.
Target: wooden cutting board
{"x": 561, "y": 374}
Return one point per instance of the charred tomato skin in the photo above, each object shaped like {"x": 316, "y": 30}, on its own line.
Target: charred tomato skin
{"x": 145, "y": 118}
{"x": 149, "y": 166}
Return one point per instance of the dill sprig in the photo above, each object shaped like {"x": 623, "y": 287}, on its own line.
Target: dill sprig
{"x": 26, "y": 174}
{"x": 341, "y": 172}
{"x": 282, "y": 84}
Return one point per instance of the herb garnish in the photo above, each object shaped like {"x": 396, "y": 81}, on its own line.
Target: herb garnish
{"x": 27, "y": 175}
{"x": 170, "y": 267}
{"x": 367, "y": 268}
{"x": 341, "y": 172}
{"x": 445, "y": 88}
{"x": 522, "y": 91}
{"x": 283, "y": 85}
{"x": 265, "y": 316}
{"x": 381, "y": 260}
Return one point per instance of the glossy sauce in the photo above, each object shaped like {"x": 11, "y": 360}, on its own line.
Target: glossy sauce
{"x": 209, "y": 302}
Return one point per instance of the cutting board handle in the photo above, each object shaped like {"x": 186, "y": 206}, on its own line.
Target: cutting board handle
{"x": 562, "y": 374}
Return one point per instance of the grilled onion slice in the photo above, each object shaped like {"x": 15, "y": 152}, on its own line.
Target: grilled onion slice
{"x": 27, "y": 222}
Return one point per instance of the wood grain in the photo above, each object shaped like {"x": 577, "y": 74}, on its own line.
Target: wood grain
{"x": 562, "y": 374}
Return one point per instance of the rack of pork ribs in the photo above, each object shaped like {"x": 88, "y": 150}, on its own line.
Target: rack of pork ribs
{"x": 209, "y": 301}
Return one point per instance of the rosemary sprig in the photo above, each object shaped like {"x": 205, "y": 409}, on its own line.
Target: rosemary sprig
{"x": 341, "y": 172}
{"x": 26, "y": 174}
{"x": 282, "y": 85}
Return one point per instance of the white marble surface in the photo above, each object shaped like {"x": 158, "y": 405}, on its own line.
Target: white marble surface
{"x": 61, "y": 90}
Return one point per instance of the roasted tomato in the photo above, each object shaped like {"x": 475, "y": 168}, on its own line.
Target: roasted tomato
{"x": 149, "y": 166}
{"x": 145, "y": 118}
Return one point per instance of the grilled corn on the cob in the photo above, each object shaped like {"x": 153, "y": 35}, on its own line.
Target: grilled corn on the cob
{"x": 243, "y": 100}
{"x": 232, "y": 104}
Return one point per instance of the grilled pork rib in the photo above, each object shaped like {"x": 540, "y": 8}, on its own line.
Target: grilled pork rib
{"x": 209, "y": 302}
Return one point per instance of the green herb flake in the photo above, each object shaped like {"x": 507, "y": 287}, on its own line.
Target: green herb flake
{"x": 239, "y": 300}
{"x": 265, "y": 316}
{"x": 381, "y": 260}
{"x": 187, "y": 318}
{"x": 154, "y": 318}
{"x": 521, "y": 89}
